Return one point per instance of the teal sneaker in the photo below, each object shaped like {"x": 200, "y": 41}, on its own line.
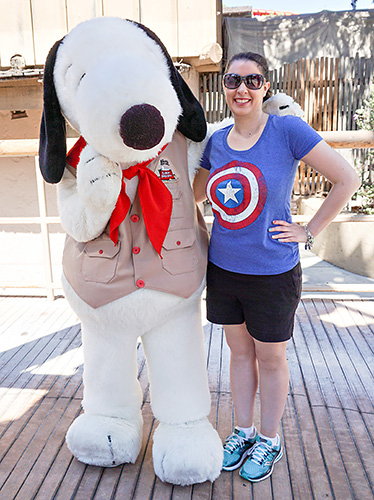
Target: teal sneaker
{"x": 260, "y": 461}
{"x": 235, "y": 449}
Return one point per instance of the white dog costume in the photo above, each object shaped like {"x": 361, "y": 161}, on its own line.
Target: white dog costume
{"x": 282, "y": 104}
{"x": 136, "y": 247}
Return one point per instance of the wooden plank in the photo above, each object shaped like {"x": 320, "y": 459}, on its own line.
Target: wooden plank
{"x": 320, "y": 93}
{"x": 22, "y": 94}
{"x": 353, "y": 343}
{"x": 214, "y": 358}
{"x": 16, "y": 32}
{"x": 294, "y": 449}
{"x": 164, "y": 22}
{"x": 70, "y": 480}
{"x": 205, "y": 490}
{"x": 68, "y": 361}
{"x": 78, "y": 12}
{"x": 22, "y": 338}
{"x": 349, "y": 378}
{"x": 136, "y": 478}
{"x": 362, "y": 314}
{"x": 337, "y": 415}
{"x": 335, "y": 89}
{"x": 196, "y": 30}
{"x": 316, "y": 80}
{"x": 49, "y": 25}
{"x": 225, "y": 424}
{"x": 60, "y": 464}
{"x": 60, "y": 417}
{"x": 20, "y": 400}
{"x": 356, "y": 90}
{"x": 28, "y": 355}
{"x": 325, "y": 95}
{"x": 307, "y": 401}
{"x": 11, "y": 314}
{"x": 350, "y": 93}
{"x": 20, "y": 457}
{"x": 308, "y": 93}
{"x": 351, "y": 426}
{"x": 118, "y": 8}
{"x": 303, "y": 89}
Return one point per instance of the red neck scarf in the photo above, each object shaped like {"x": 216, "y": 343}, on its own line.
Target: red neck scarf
{"x": 155, "y": 199}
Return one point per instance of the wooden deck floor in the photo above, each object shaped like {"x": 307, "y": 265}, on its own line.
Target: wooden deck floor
{"x": 327, "y": 428}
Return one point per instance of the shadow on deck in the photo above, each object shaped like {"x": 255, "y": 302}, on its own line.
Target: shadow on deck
{"x": 327, "y": 428}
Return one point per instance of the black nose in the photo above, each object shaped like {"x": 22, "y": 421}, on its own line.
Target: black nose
{"x": 142, "y": 127}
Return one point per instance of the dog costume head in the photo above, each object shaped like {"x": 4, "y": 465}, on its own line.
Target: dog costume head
{"x": 120, "y": 91}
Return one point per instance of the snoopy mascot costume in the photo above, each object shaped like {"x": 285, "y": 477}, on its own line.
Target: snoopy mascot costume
{"x": 136, "y": 246}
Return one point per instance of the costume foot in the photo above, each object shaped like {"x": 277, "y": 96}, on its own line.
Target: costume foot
{"x": 187, "y": 453}
{"x": 104, "y": 441}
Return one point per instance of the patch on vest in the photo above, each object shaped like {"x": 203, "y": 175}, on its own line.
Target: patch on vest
{"x": 166, "y": 171}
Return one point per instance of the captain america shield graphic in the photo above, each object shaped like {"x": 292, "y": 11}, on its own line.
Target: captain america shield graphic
{"x": 237, "y": 193}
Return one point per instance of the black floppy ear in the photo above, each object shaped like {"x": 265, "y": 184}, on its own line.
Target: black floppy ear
{"x": 52, "y": 140}
{"x": 192, "y": 123}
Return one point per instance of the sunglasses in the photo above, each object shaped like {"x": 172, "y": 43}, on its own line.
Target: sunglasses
{"x": 252, "y": 82}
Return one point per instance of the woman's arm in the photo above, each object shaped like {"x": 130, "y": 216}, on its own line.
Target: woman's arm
{"x": 345, "y": 183}
{"x": 199, "y": 184}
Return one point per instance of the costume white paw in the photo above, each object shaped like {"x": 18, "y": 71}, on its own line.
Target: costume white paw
{"x": 187, "y": 453}
{"x": 104, "y": 441}
{"x": 98, "y": 180}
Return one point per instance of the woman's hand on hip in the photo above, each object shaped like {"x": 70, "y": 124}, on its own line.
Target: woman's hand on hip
{"x": 287, "y": 232}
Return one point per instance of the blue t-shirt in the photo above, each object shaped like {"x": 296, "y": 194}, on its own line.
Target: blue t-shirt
{"x": 250, "y": 189}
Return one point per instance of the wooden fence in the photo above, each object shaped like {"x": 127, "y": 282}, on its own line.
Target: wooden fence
{"x": 329, "y": 90}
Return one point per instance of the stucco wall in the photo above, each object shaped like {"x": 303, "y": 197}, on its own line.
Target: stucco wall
{"x": 18, "y": 191}
{"x": 349, "y": 245}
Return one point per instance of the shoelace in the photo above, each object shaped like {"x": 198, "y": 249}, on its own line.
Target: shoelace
{"x": 233, "y": 442}
{"x": 260, "y": 452}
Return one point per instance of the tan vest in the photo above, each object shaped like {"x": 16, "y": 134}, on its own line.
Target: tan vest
{"x": 101, "y": 272}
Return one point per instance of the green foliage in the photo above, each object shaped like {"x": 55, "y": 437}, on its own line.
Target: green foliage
{"x": 366, "y": 195}
{"x": 364, "y": 118}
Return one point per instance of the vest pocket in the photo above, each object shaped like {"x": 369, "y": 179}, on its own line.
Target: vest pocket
{"x": 179, "y": 252}
{"x": 100, "y": 259}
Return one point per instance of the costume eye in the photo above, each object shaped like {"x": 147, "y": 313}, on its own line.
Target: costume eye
{"x": 80, "y": 79}
{"x": 284, "y": 107}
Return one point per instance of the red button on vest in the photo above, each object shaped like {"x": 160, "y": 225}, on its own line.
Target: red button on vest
{"x": 101, "y": 252}
{"x": 134, "y": 218}
{"x": 136, "y": 250}
{"x": 140, "y": 284}
{"x": 179, "y": 243}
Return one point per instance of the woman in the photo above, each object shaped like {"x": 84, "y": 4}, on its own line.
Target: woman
{"x": 254, "y": 274}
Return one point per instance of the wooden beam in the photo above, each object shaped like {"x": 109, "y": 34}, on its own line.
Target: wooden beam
{"x": 302, "y": 219}
{"x": 25, "y": 147}
{"x": 349, "y": 139}
{"x": 22, "y": 94}
{"x": 336, "y": 139}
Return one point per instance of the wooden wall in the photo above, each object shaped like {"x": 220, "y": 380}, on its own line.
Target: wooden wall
{"x": 30, "y": 27}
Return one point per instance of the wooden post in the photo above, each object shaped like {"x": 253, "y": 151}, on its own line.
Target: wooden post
{"x": 44, "y": 231}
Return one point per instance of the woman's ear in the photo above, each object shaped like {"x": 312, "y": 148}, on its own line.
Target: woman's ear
{"x": 52, "y": 140}
{"x": 266, "y": 88}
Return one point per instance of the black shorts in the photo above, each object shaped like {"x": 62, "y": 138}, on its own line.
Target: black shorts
{"x": 266, "y": 304}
